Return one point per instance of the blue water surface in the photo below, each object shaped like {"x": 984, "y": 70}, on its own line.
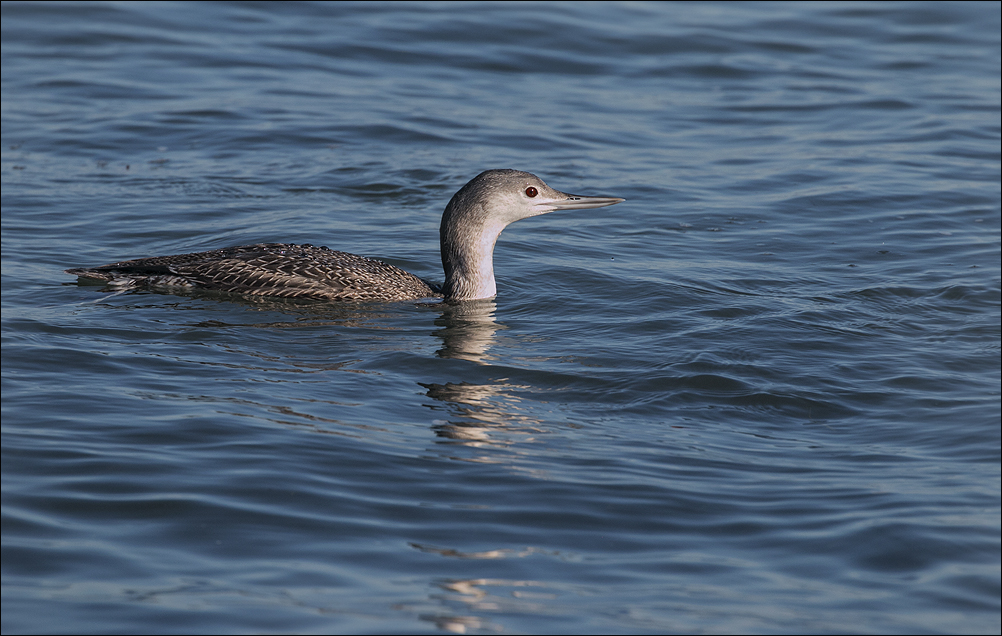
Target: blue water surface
{"x": 761, "y": 395}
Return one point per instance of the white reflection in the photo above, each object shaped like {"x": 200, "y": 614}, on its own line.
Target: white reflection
{"x": 468, "y": 330}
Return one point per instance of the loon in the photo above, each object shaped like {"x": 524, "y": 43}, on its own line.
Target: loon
{"x": 471, "y": 224}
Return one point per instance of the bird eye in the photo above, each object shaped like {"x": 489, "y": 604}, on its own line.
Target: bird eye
{"x": 531, "y": 192}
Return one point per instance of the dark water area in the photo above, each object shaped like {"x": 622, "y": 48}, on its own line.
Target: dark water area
{"x": 761, "y": 395}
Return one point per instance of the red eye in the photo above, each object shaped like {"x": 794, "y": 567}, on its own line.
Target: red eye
{"x": 531, "y": 192}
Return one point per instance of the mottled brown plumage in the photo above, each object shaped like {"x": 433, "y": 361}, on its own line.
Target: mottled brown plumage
{"x": 269, "y": 269}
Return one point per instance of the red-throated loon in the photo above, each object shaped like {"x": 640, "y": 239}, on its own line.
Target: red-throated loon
{"x": 471, "y": 223}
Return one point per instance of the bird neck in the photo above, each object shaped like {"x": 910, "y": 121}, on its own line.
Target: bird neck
{"x": 467, "y": 237}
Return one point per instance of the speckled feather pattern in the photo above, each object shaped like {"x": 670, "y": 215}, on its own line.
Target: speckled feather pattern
{"x": 270, "y": 269}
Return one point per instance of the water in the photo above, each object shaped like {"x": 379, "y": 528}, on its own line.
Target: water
{"x": 762, "y": 395}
